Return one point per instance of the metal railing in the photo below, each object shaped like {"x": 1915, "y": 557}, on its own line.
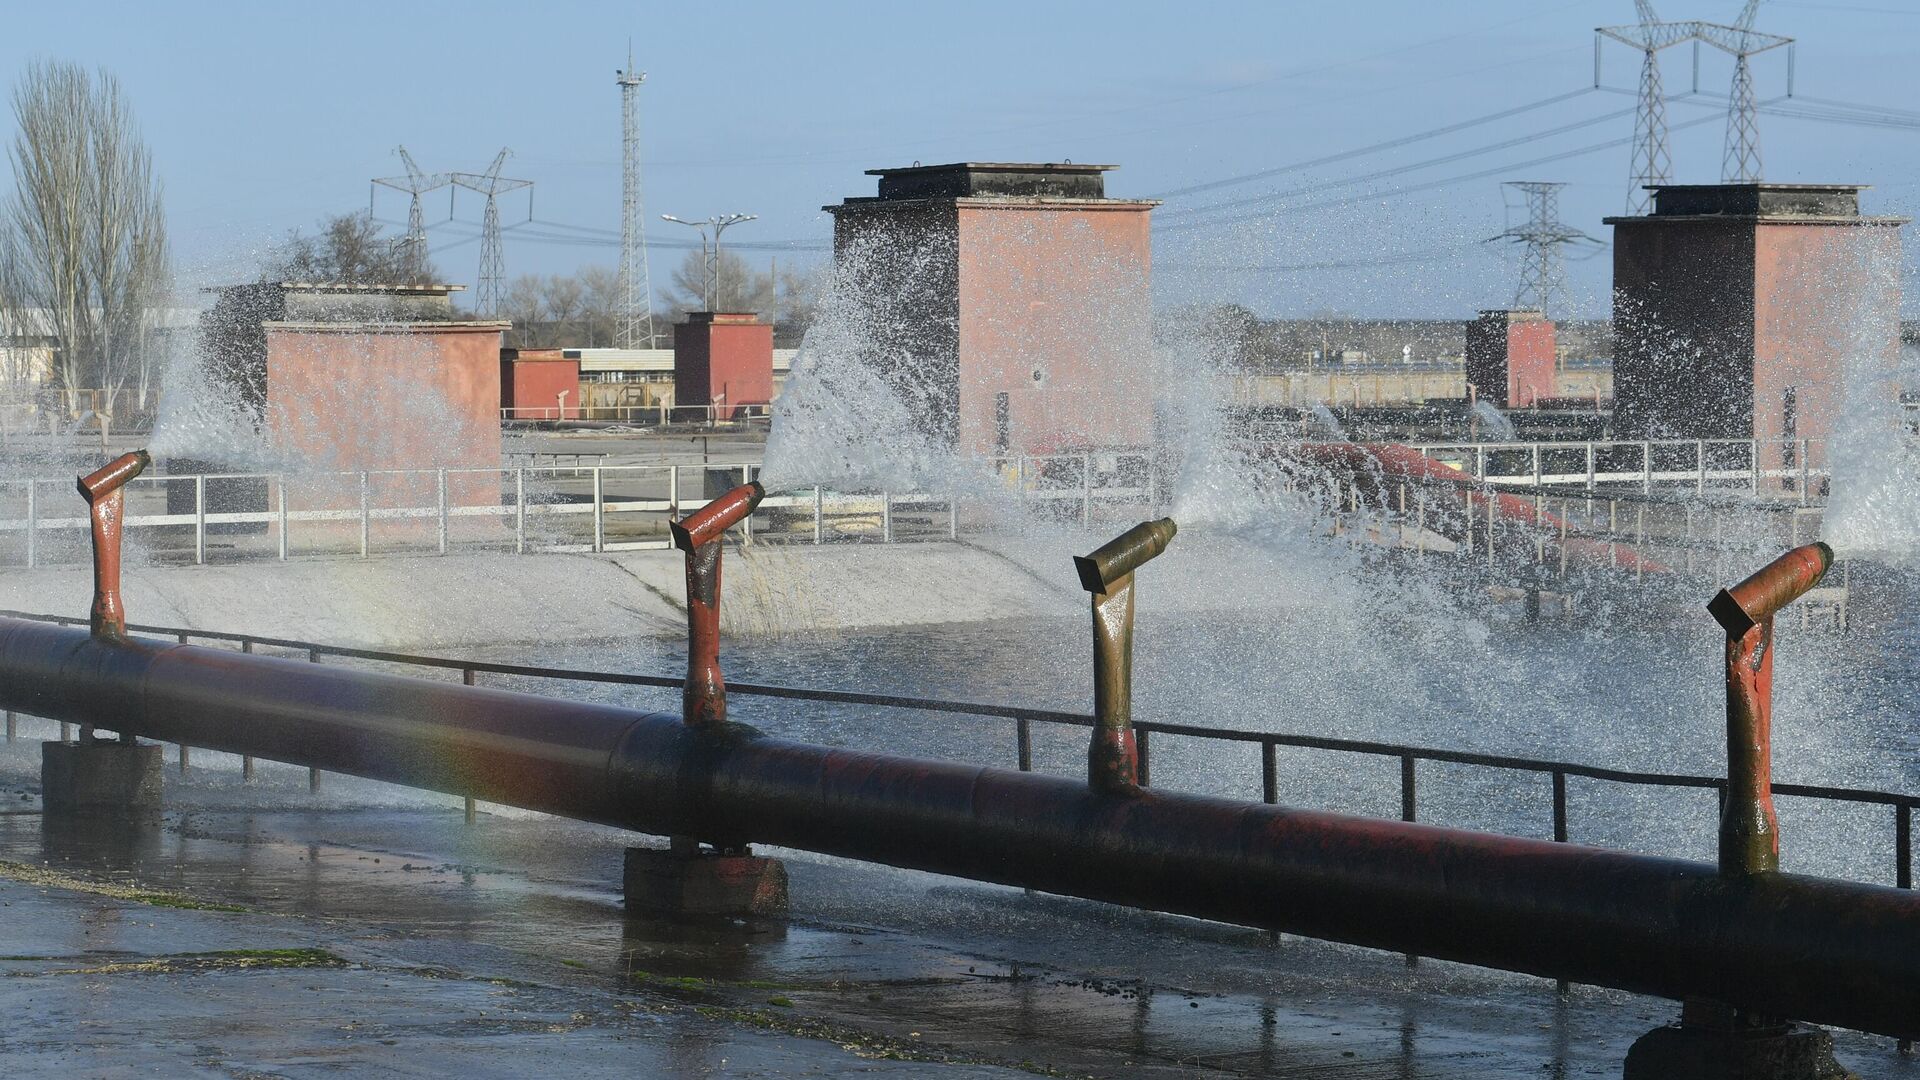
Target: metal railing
{"x": 1645, "y": 463}
{"x": 1409, "y": 757}
{"x": 659, "y": 414}
{"x": 517, "y": 499}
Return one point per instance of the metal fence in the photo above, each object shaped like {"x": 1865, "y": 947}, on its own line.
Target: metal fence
{"x": 1409, "y": 757}
{"x": 1646, "y": 463}
{"x": 575, "y": 507}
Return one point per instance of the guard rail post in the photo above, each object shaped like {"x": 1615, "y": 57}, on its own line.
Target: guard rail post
{"x": 1113, "y": 757}
{"x": 117, "y": 779}
{"x": 713, "y": 875}
{"x": 1712, "y": 1038}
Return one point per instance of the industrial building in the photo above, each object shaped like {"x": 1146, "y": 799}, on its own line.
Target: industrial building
{"x": 1013, "y": 298}
{"x": 1738, "y": 306}
{"x": 352, "y": 377}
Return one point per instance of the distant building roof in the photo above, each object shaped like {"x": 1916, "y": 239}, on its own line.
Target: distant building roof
{"x": 991, "y": 179}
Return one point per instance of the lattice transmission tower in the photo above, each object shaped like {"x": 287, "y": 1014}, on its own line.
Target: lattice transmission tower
{"x": 416, "y": 183}
{"x": 636, "y": 283}
{"x": 1740, "y": 163}
{"x": 1652, "y": 164}
{"x": 1543, "y": 277}
{"x": 493, "y": 260}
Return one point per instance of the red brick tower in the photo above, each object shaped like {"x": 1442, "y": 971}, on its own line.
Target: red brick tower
{"x": 1510, "y": 358}
{"x": 725, "y": 360}
{"x": 1736, "y": 307}
{"x": 1019, "y": 295}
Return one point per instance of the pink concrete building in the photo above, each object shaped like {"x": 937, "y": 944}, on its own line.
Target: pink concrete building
{"x": 723, "y": 360}
{"x": 1738, "y": 306}
{"x": 1511, "y": 358}
{"x": 1016, "y": 299}
{"x": 539, "y": 384}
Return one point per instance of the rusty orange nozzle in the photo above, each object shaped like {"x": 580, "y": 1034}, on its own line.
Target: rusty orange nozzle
{"x": 704, "y": 701}
{"x": 1774, "y": 586}
{"x": 1749, "y": 825}
{"x": 106, "y": 499}
{"x": 708, "y": 522}
{"x": 112, "y": 476}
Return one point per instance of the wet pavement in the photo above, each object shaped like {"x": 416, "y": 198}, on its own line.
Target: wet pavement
{"x": 262, "y": 931}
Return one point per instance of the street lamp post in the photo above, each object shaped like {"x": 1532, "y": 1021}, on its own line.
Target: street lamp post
{"x": 710, "y": 251}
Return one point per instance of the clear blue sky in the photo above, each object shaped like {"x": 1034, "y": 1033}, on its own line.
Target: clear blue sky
{"x": 265, "y": 117}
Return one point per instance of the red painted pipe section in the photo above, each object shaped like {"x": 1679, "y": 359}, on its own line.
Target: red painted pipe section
{"x": 1749, "y": 827}
{"x": 1375, "y": 467}
{"x": 106, "y": 507}
{"x": 704, "y": 701}
{"x": 1785, "y": 945}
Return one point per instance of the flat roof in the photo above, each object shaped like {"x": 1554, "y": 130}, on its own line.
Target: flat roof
{"x": 995, "y": 166}
{"x": 369, "y": 326}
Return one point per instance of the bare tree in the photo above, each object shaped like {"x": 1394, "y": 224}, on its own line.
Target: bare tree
{"x": 83, "y": 237}
{"x": 741, "y": 287}
{"x": 525, "y": 307}
{"x": 348, "y": 249}
{"x": 602, "y": 303}
{"x": 563, "y": 301}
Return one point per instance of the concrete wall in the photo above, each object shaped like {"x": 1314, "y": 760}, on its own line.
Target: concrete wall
{"x": 899, "y": 266}
{"x": 1055, "y": 313}
{"x": 1824, "y": 298}
{"x": 415, "y": 397}
{"x": 1683, "y": 328}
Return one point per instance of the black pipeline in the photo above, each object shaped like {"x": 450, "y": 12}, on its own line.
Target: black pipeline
{"x": 1786, "y": 945}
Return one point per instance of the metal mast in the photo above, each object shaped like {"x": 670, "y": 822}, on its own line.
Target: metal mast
{"x": 1652, "y": 165}
{"x": 493, "y": 261}
{"x": 416, "y": 183}
{"x": 711, "y": 250}
{"x": 1741, "y": 162}
{"x": 1543, "y": 279}
{"x": 636, "y": 284}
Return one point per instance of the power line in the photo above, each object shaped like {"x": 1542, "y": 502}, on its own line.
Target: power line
{"x": 493, "y": 262}
{"x": 1543, "y": 276}
{"x": 1741, "y": 161}
{"x": 1362, "y": 151}
{"x": 1397, "y": 259}
{"x": 1397, "y": 170}
{"x": 413, "y": 244}
{"x": 1652, "y": 164}
{"x": 1410, "y": 189}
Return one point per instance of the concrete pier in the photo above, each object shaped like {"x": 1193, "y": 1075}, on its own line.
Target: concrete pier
{"x": 1718, "y": 1043}
{"x": 102, "y": 779}
{"x": 703, "y": 882}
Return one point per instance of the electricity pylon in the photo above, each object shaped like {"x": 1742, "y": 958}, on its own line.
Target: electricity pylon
{"x": 493, "y": 261}
{"x": 1741, "y": 162}
{"x": 1652, "y": 165}
{"x": 1543, "y": 279}
{"x": 416, "y": 183}
{"x": 636, "y": 283}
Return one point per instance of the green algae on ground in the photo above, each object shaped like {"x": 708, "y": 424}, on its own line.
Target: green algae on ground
{"x": 48, "y": 878}
{"x": 202, "y": 963}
